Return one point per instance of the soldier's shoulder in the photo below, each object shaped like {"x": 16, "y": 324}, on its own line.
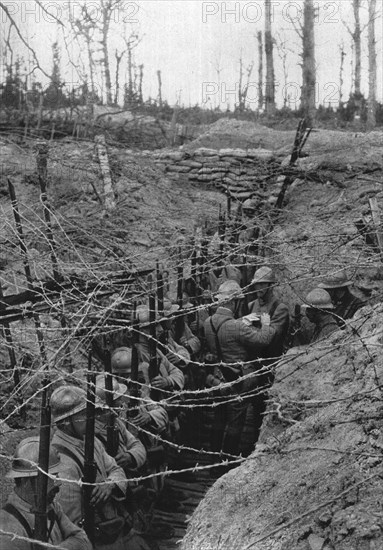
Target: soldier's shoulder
{"x": 282, "y": 306}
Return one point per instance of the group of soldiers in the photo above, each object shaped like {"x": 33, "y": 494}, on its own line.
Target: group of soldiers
{"x": 223, "y": 345}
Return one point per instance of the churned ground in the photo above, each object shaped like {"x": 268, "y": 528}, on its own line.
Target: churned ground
{"x": 314, "y": 481}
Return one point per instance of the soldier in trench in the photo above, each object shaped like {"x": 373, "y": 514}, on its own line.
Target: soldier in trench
{"x": 345, "y": 302}
{"x": 263, "y": 284}
{"x": 17, "y": 516}
{"x": 232, "y": 342}
{"x": 319, "y": 311}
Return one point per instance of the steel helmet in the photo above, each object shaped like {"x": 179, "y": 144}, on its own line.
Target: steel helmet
{"x": 67, "y": 401}
{"x": 170, "y": 307}
{"x": 319, "y": 299}
{"x": 118, "y": 389}
{"x": 249, "y": 204}
{"x": 26, "y": 459}
{"x": 122, "y": 360}
{"x": 229, "y": 290}
{"x": 142, "y": 314}
{"x": 264, "y": 275}
{"x": 336, "y": 280}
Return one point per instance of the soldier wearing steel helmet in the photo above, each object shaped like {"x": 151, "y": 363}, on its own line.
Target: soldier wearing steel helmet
{"x": 131, "y": 453}
{"x": 345, "y": 302}
{"x": 252, "y": 232}
{"x": 149, "y": 415}
{"x": 17, "y": 517}
{"x": 68, "y": 405}
{"x": 232, "y": 342}
{"x": 318, "y": 309}
{"x": 170, "y": 377}
{"x": 263, "y": 284}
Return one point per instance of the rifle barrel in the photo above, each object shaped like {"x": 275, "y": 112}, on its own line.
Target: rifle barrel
{"x": 41, "y": 517}
{"x": 179, "y": 325}
{"x": 89, "y": 477}
{"x": 111, "y": 445}
{"x": 135, "y": 391}
{"x": 153, "y": 363}
{"x": 45, "y": 415}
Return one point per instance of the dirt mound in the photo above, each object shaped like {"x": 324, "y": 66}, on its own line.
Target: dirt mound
{"x": 148, "y": 216}
{"x": 314, "y": 481}
{"x": 342, "y": 147}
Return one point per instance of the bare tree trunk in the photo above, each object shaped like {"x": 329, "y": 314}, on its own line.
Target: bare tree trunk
{"x": 371, "y": 104}
{"x": 130, "y": 75}
{"x": 260, "y": 70}
{"x": 249, "y": 71}
{"x": 308, "y": 63}
{"x": 159, "y": 89}
{"x": 341, "y": 68}
{"x": 105, "y": 52}
{"x": 282, "y": 53}
{"x": 270, "y": 78}
{"x": 140, "y": 94}
{"x": 40, "y": 111}
{"x": 88, "y": 40}
{"x": 118, "y": 63}
{"x": 356, "y": 35}
{"x": 173, "y": 125}
{"x": 240, "y": 98}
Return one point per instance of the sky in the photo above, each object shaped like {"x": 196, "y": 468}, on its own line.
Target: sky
{"x": 197, "y": 45}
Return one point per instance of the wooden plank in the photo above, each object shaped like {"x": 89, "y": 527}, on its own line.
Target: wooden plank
{"x": 375, "y": 212}
{"x": 109, "y": 199}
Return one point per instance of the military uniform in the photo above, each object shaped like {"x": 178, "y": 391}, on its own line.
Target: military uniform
{"x": 280, "y": 317}
{"x": 128, "y": 444}
{"x": 167, "y": 370}
{"x": 62, "y": 532}
{"x": 237, "y": 342}
{"x": 348, "y": 306}
{"x": 325, "y": 326}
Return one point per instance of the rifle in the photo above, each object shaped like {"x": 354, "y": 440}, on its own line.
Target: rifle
{"x": 221, "y": 232}
{"x": 112, "y": 437}
{"x": 134, "y": 390}
{"x": 203, "y": 260}
{"x": 179, "y": 323}
{"x": 153, "y": 360}
{"x": 41, "y": 517}
{"x": 41, "y": 523}
{"x": 12, "y": 357}
{"x": 245, "y": 283}
{"x": 90, "y": 468}
{"x": 228, "y": 202}
{"x": 193, "y": 274}
{"x": 163, "y": 337}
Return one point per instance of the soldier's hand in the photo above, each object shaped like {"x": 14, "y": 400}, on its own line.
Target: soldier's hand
{"x": 183, "y": 341}
{"x": 142, "y": 419}
{"x": 124, "y": 460}
{"x": 172, "y": 358}
{"x": 101, "y": 494}
{"x": 265, "y": 319}
{"x": 159, "y": 382}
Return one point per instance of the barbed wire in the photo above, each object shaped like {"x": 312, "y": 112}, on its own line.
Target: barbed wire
{"x": 309, "y": 257}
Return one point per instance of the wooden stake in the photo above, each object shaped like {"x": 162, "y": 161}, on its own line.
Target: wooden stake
{"x": 375, "y": 212}
{"x": 109, "y": 200}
